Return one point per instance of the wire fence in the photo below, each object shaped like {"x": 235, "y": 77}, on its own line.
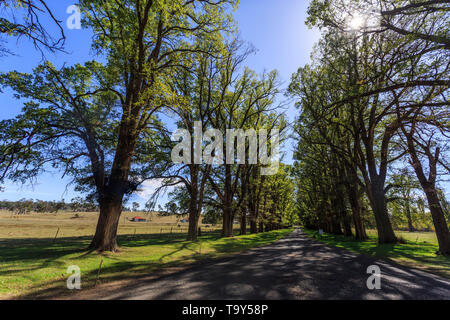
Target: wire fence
{"x": 165, "y": 230}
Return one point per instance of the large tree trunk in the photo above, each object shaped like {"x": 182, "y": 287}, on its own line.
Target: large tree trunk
{"x": 347, "y": 225}
{"x": 227, "y": 221}
{"x": 344, "y": 217}
{"x": 384, "y": 227}
{"x": 253, "y": 227}
{"x": 360, "y": 230}
{"x": 261, "y": 227}
{"x": 408, "y": 216}
{"x": 105, "y": 238}
{"x": 355, "y": 203}
{"x": 111, "y": 195}
{"x": 244, "y": 196}
{"x": 194, "y": 217}
{"x": 227, "y": 229}
{"x": 440, "y": 224}
{"x": 193, "y": 226}
{"x": 194, "y": 214}
{"x": 253, "y": 201}
{"x": 379, "y": 205}
{"x": 253, "y": 209}
{"x": 336, "y": 227}
{"x": 335, "y": 219}
{"x": 243, "y": 221}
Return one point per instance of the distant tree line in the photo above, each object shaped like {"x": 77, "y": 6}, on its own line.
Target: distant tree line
{"x": 25, "y": 206}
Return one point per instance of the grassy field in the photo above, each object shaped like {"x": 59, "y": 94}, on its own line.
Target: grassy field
{"x": 411, "y": 237}
{"x": 32, "y": 264}
{"x": 419, "y": 249}
{"x": 42, "y": 225}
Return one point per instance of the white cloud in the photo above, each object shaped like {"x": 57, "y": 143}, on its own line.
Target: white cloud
{"x": 149, "y": 187}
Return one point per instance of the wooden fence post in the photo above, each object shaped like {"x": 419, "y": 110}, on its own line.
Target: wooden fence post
{"x": 54, "y": 239}
{"x": 98, "y": 274}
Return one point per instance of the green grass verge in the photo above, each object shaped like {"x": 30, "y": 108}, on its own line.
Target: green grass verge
{"x": 419, "y": 251}
{"x": 38, "y": 267}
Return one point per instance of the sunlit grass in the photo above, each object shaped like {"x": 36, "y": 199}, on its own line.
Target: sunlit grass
{"x": 413, "y": 237}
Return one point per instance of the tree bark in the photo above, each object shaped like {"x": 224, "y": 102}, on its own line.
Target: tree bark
{"x": 336, "y": 227}
{"x": 243, "y": 222}
{"x": 193, "y": 226}
{"x": 252, "y": 204}
{"x": 355, "y": 203}
{"x": 105, "y": 238}
{"x": 440, "y": 224}
{"x": 408, "y": 216}
{"x": 379, "y": 205}
{"x": 261, "y": 227}
{"x": 253, "y": 216}
{"x": 227, "y": 229}
{"x": 243, "y": 197}
{"x": 194, "y": 217}
{"x": 253, "y": 201}
{"x": 343, "y": 215}
{"x": 194, "y": 214}
{"x": 335, "y": 212}
{"x": 347, "y": 225}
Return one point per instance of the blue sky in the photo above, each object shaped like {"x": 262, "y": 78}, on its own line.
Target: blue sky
{"x": 275, "y": 28}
